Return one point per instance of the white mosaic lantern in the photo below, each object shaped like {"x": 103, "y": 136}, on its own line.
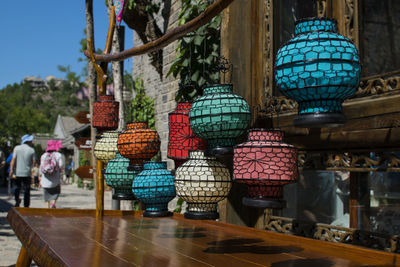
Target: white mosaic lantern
{"x": 106, "y": 146}
{"x": 202, "y": 182}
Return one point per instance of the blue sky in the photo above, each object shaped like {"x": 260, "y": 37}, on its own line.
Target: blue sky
{"x": 37, "y": 36}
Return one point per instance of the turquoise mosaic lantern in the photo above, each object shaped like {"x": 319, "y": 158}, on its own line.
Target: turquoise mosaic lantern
{"x": 219, "y": 116}
{"x": 154, "y": 186}
{"x": 319, "y": 69}
{"x": 120, "y": 178}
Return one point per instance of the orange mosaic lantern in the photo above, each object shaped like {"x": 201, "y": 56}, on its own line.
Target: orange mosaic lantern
{"x": 138, "y": 143}
{"x": 105, "y": 113}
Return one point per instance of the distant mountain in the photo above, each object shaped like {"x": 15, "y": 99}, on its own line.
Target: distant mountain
{"x": 33, "y": 106}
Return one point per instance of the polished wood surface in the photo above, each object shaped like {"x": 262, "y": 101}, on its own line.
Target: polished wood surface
{"x": 76, "y": 238}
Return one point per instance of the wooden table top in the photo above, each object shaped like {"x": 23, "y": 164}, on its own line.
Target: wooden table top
{"x": 57, "y": 237}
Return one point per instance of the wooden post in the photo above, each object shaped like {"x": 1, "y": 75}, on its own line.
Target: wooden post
{"x": 91, "y": 78}
{"x": 99, "y": 190}
{"x": 258, "y": 58}
{"x": 243, "y": 44}
{"x": 246, "y": 36}
{"x": 118, "y": 73}
{"x": 101, "y": 80}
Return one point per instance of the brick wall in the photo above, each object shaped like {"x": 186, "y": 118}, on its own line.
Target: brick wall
{"x": 161, "y": 89}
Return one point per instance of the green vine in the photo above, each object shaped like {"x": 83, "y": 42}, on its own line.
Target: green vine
{"x": 196, "y": 52}
{"x": 149, "y": 7}
{"x": 142, "y": 106}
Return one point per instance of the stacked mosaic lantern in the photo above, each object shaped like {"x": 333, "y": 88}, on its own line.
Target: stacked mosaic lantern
{"x": 105, "y": 113}
{"x": 106, "y": 146}
{"x": 202, "y": 182}
{"x": 139, "y": 144}
{"x": 319, "y": 69}
{"x": 181, "y": 138}
{"x": 120, "y": 178}
{"x": 265, "y": 163}
{"x": 154, "y": 186}
{"x": 219, "y": 116}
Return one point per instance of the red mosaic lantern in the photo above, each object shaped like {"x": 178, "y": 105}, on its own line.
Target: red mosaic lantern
{"x": 265, "y": 163}
{"x": 105, "y": 113}
{"x": 138, "y": 143}
{"x": 181, "y": 138}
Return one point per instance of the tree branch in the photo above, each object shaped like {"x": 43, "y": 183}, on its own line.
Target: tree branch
{"x": 212, "y": 11}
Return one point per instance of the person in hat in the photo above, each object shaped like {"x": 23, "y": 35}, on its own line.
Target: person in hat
{"x": 50, "y": 172}
{"x": 24, "y": 158}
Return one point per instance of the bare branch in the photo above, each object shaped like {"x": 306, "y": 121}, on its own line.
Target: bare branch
{"x": 212, "y": 11}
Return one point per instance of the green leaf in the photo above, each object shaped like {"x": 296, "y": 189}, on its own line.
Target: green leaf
{"x": 198, "y": 39}
{"x": 185, "y": 62}
{"x": 195, "y": 75}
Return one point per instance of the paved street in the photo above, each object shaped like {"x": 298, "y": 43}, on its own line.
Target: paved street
{"x": 71, "y": 197}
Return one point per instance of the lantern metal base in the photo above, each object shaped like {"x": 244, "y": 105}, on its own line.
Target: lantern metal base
{"x": 196, "y": 215}
{"x": 153, "y": 214}
{"x": 264, "y": 203}
{"x": 319, "y": 120}
{"x": 135, "y": 167}
{"x": 123, "y": 196}
{"x": 219, "y": 150}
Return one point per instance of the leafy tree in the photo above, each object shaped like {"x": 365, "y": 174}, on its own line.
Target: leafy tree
{"x": 142, "y": 106}
{"x": 71, "y": 76}
{"x": 24, "y": 110}
{"x": 20, "y": 115}
{"x": 128, "y": 81}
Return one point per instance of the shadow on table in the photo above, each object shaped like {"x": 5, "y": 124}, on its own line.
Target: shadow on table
{"x": 242, "y": 245}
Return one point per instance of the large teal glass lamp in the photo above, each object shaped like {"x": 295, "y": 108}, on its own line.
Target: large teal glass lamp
{"x": 318, "y": 68}
{"x": 219, "y": 116}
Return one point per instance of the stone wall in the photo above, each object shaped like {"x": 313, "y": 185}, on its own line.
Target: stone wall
{"x": 161, "y": 89}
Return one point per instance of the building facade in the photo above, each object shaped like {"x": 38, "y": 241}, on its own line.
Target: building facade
{"x": 157, "y": 86}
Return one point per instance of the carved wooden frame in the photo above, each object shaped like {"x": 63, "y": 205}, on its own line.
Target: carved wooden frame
{"x": 333, "y": 233}
{"x": 358, "y": 161}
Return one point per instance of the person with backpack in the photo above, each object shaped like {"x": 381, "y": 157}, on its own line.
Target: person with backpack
{"x": 50, "y": 173}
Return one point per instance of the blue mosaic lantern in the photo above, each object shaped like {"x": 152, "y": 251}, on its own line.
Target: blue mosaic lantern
{"x": 154, "y": 186}
{"x": 120, "y": 178}
{"x": 319, "y": 69}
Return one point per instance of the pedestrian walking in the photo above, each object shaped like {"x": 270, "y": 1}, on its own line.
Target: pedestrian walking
{"x": 35, "y": 175}
{"x": 24, "y": 158}
{"x": 9, "y": 178}
{"x": 68, "y": 171}
{"x": 2, "y": 165}
{"x": 50, "y": 173}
